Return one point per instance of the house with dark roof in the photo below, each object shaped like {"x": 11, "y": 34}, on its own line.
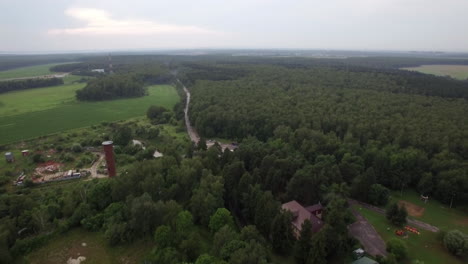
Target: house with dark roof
{"x": 301, "y": 213}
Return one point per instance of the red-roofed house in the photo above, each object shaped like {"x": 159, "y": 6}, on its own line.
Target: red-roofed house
{"x": 300, "y": 214}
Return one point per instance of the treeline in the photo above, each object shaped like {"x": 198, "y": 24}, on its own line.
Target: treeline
{"x": 16, "y": 85}
{"x": 337, "y": 76}
{"x": 111, "y": 87}
{"x": 349, "y": 122}
{"x": 8, "y": 62}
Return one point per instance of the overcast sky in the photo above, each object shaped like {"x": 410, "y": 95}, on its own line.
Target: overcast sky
{"x": 67, "y": 25}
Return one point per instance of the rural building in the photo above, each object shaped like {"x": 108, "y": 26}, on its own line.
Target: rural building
{"x": 9, "y": 157}
{"x": 25, "y": 153}
{"x": 98, "y": 70}
{"x": 365, "y": 260}
{"x": 300, "y": 214}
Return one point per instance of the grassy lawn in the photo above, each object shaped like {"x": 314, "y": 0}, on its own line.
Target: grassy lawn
{"x": 435, "y": 213}
{"x": 454, "y": 71}
{"x": 423, "y": 247}
{"x": 32, "y": 100}
{"x": 69, "y": 245}
{"x": 29, "y": 71}
{"x": 51, "y": 110}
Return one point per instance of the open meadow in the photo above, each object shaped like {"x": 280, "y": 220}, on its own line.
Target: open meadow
{"x": 434, "y": 212}
{"x": 90, "y": 245}
{"x": 424, "y": 247}
{"x": 455, "y": 71}
{"x": 30, "y": 71}
{"x": 37, "y": 112}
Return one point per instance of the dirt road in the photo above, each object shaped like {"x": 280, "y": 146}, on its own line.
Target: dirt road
{"x": 363, "y": 231}
{"x": 412, "y": 222}
{"x": 94, "y": 169}
{"x": 194, "y": 137}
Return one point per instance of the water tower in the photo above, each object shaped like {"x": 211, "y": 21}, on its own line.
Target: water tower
{"x": 109, "y": 152}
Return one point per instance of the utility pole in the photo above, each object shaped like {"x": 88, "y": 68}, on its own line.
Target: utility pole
{"x": 451, "y": 200}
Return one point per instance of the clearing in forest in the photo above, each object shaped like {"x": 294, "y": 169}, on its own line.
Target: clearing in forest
{"x": 30, "y": 71}
{"x": 413, "y": 210}
{"x": 455, "y": 71}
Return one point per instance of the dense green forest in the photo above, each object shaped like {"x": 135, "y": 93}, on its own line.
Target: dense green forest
{"x": 356, "y": 122}
{"x": 7, "y": 86}
{"x": 111, "y": 87}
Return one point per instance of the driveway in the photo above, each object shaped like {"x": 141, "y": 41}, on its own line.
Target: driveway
{"x": 363, "y": 231}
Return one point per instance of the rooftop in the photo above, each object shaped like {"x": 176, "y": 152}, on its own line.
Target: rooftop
{"x": 301, "y": 214}
{"x": 365, "y": 260}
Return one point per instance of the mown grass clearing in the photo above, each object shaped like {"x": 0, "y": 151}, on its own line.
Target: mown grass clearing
{"x": 65, "y": 113}
{"x": 454, "y": 71}
{"x": 38, "y": 99}
{"x": 435, "y": 213}
{"x": 30, "y": 71}
{"x": 96, "y": 249}
{"x": 424, "y": 247}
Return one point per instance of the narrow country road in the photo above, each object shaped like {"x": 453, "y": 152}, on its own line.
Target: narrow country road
{"x": 413, "y": 222}
{"x": 192, "y": 133}
{"x": 194, "y": 137}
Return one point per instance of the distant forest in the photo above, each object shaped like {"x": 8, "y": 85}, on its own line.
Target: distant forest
{"x": 16, "y": 85}
{"x": 111, "y": 87}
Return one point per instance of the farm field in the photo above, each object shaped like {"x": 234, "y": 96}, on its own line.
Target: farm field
{"x": 434, "y": 212}
{"x": 42, "y": 111}
{"x": 454, "y": 71}
{"x": 96, "y": 250}
{"x": 424, "y": 247}
{"x": 30, "y": 71}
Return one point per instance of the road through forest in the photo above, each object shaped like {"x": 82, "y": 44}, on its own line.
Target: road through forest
{"x": 194, "y": 137}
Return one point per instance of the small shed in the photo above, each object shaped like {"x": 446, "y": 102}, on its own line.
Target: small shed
{"x": 358, "y": 253}
{"x": 25, "y": 153}
{"x": 9, "y": 157}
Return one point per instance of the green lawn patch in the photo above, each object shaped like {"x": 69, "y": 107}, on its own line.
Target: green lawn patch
{"x": 454, "y": 71}
{"x": 435, "y": 213}
{"x": 43, "y": 115}
{"x": 30, "y": 71}
{"x": 423, "y": 247}
{"x": 96, "y": 250}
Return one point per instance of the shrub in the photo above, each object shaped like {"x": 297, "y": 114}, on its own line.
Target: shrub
{"x": 456, "y": 242}
{"x": 398, "y": 248}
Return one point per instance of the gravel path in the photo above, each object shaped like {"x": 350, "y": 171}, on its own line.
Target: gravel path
{"x": 363, "y": 231}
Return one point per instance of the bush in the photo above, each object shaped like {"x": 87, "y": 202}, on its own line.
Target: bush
{"x": 378, "y": 195}
{"x": 456, "y": 242}
{"x": 398, "y": 248}
{"x": 38, "y": 158}
{"x": 76, "y": 148}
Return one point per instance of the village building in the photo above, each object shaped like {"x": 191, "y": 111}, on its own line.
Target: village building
{"x": 313, "y": 213}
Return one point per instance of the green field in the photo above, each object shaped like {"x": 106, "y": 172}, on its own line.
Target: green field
{"x": 58, "y": 250}
{"x": 36, "y": 112}
{"x": 30, "y": 71}
{"x": 454, "y": 71}
{"x": 423, "y": 247}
